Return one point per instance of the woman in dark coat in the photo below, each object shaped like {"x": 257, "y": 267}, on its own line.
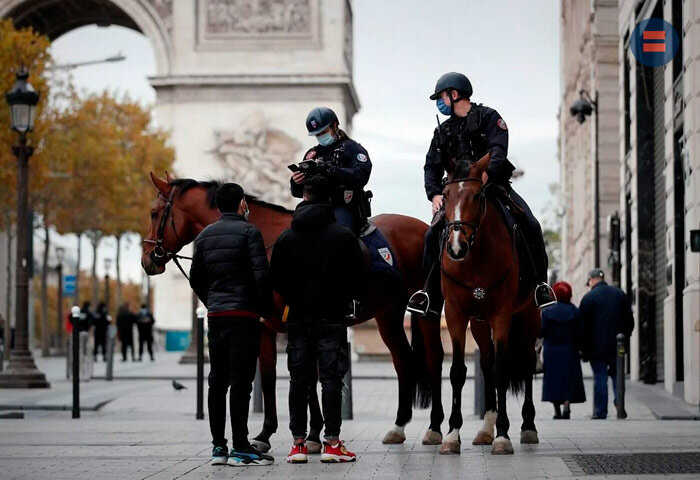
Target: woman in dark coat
{"x": 561, "y": 331}
{"x": 101, "y": 321}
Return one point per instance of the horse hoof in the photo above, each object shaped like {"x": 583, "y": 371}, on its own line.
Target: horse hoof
{"x": 451, "y": 447}
{"x": 529, "y": 437}
{"x": 483, "y": 438}
{"x": 394, "y": 438}
{"x": 502, "y": 446}
{"x": 260, "y": 445}
{"x": 432, "y": 438}
{"x": 314, "y": 448}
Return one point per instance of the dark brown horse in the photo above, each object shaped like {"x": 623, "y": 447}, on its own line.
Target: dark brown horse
{"x": 481, "y": 284}
{"x": 184, "y": 207}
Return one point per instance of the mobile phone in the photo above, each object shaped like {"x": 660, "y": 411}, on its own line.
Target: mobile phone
{"x": 293, "y": 167}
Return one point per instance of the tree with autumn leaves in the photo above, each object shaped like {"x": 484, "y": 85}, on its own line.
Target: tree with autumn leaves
{"x": 89, "y": 173}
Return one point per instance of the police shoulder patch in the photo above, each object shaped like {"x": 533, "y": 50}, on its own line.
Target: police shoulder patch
{"x": 361, "y": 157}
{"x": 501, "y": 123}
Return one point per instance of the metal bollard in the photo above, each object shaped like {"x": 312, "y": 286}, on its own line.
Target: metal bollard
{"x": 257, "y": 390}
{"x": 75, "y": 316}
{"x": 111, "y": 336}
{"x": 620, "y": 378}
{"x": 201, "y": 312}
{"x": 479, "y": 390}
{"x": 346, "y": 407}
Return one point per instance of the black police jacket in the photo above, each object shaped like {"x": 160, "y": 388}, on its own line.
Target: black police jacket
{"x": 316, "y": 265}
{"x": 229, "y": 267}
{"x": 345, "y": 163}
{"x": 468, "y": 138}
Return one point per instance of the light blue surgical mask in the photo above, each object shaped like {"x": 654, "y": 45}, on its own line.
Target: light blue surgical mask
{"x": 325, "y": 139}
{"x": 444, "y": 109}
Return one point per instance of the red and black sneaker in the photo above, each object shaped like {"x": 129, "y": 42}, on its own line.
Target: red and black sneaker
{"x": 299, "y": 454}
{"x": 336, "y": 453}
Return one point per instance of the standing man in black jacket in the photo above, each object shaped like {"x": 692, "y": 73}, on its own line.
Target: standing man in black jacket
{"x": 605, "y": 312}
{"x": 317, "y": 268}
{"x": 229, "y": 274}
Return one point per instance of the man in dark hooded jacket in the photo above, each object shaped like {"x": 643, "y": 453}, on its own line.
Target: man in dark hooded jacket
{"x": 317, "y": 266}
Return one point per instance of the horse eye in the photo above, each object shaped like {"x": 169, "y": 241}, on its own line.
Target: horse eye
{"x": 154, "y": 215}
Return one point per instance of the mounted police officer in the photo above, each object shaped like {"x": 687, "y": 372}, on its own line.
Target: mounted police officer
{"x": 343, "y": 161}
{"x": 472, "y": 131}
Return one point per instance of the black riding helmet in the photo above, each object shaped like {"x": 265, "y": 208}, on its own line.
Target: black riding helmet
{"x": 453, "y": 81}
{"x": 319, "y": 119}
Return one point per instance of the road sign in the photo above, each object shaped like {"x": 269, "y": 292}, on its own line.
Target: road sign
{"x": 68, "y": 285}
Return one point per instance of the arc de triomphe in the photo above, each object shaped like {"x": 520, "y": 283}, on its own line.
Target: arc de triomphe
{"x": 234, "y": 81}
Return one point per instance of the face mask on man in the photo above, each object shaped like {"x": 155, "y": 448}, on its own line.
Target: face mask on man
{"x": 325, "y": 139}
{"x": 444, "y": 108}
{"x": 246, "y": 212}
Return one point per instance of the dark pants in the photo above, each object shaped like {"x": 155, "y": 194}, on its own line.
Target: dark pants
{"x": 126, "y": 338}
{"x": 323, "y": 346}
{"x": 344, "y": 216}
{"x": 100, "y": 342}
{"x": 145, "y": 336}
{"x": 234, "y": 345}
{"x": 602, "y": 369}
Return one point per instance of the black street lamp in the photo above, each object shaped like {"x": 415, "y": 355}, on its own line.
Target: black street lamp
{"x": 582, "y": 108}
{"x": 60, "y": 255}
{"x": 21, "y": 371}
{"x": 108, "y": 265}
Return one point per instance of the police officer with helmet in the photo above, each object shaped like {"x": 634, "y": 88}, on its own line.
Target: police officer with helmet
{"x": 472, "y": 131}
{"x": 343, "y": 161}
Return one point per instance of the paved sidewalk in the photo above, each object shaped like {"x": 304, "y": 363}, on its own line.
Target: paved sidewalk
{"x": 148, "y": 431}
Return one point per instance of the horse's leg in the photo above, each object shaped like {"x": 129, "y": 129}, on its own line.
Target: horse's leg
{"x": 268, "y": 377}
{"x": 482, "y": 334}
{"x": 457, "y": 326}
{"x": 501, "y": 331}
{"x": 434, "y": 356}
{"x": 531, "y": 318}
{"x": 313, "y": 439}
{"x": 390, "y": 324}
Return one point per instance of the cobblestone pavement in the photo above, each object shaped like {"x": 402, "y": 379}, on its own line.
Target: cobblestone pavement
{"x": 149, "y": 431}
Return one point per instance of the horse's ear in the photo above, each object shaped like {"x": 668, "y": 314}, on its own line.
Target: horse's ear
{"x": 482, "y": 164}
{"x": 162, "y": 186}
{"x": 169, "y": 177}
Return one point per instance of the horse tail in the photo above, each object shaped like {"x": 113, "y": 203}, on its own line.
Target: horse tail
{"x": 521, "y": 358}
{"x": 423, "y": 392}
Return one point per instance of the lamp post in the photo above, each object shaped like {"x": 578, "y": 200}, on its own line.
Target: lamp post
{"x": 22, "y": 372}
{"x": 108, "y": 265}
{"x": 582, "y": 108}
{"x": 60, "y": 255}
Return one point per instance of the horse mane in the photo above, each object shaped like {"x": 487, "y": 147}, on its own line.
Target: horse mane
{"x": 186, "y": 184}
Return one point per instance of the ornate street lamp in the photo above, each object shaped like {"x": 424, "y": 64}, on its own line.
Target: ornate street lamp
{"x": 582, "y": 108}
{"x": 21, "y": 371}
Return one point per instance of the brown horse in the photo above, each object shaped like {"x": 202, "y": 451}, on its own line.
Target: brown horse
{"x": 481, "y": 283}
{"x": 184, "y": 207}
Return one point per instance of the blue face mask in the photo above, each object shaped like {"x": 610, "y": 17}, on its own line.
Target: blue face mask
{"x": 444, "y": 109}
{"x": 325, "y": 139}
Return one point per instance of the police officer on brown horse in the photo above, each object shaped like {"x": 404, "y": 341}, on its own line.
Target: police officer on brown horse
{"x": 343, "y": 161}
{"x": 472, "y": 131}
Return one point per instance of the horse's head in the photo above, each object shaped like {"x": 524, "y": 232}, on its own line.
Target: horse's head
{"x": 173, "y": 224}
{"x": 464, "y": 204}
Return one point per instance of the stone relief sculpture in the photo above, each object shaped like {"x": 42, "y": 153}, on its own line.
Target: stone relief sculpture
{"x": 164, "y": 9}
{"x": 256, "y": 157}
{"x": 257, "y": 17}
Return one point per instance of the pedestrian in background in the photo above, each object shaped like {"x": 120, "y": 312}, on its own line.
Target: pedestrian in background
{"x": 317, "y": 268}
{"x": 125, "y": 330}
{"x": 606, "y": 312}
{"x": 101, "y": 321}
{"x": 561, "y": 333}
{"x": 144, "y": 325}
{"x": 229, "y": 274}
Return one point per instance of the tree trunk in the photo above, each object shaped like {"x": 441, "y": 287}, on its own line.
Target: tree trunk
{"x": 118, "y": 292}
{"x": 95, "y": 238}
{"x": 8, "y": 293}
{"x": 76, "y": 296}
{"x": 44, "y": 294}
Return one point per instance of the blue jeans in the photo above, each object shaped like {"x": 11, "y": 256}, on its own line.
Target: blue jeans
{"x": 602, "y": 369}
{"x": 344, "y": 216}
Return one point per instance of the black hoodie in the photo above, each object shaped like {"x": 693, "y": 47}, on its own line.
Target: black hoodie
{"x": 316, "y": 265}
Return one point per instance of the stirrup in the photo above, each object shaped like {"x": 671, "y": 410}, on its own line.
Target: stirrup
{"x": 544, "y": 295}
{"x": 419, "y": 303}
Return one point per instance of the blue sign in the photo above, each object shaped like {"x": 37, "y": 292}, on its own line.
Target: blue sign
{"x": 654, "y": 42}
{"x": 68, "y": 285}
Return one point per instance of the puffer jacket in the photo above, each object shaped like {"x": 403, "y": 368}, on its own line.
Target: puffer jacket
{"x": 229, "y": 270}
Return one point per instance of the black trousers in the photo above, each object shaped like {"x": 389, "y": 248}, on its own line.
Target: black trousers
{"x": 234, "y": 345}
{"x": 145, "y": 336}
{"x": 126, "y": 337}
{"x": 318, "y": 345}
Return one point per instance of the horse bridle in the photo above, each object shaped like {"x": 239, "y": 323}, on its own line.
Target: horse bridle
{"x": 159, "y": 252}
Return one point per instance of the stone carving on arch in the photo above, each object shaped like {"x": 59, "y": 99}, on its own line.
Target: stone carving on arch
{"x": 256, "y": 156}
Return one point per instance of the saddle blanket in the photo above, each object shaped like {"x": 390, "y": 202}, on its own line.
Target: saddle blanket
{"x": 382, "y": 258}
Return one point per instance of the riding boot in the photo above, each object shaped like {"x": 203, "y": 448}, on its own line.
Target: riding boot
{"x": 428, "y": 302}
{"x": 544, "y": 294}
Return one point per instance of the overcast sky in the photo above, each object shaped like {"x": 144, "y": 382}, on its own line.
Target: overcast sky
{"x": 509, "y": 49}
